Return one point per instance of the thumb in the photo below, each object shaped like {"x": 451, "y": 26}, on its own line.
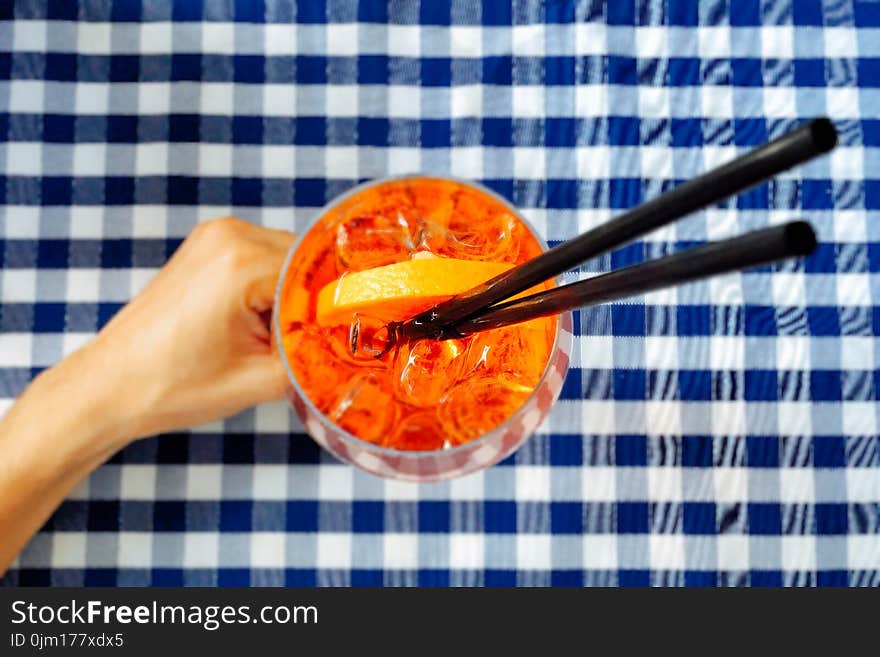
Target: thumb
{"x": 261, "y": 378}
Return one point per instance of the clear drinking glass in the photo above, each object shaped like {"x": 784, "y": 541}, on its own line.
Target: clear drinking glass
{"x": 424, "y": 466}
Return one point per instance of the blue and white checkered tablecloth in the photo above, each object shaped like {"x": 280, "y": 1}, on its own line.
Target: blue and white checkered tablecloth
{"x": 723, "y": 433}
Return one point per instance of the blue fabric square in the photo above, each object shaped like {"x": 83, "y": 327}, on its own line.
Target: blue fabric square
{"x": 571, "y": 578}
{"x": 807, "y": 12}
{"x": 566, "y": 449}
{"x": 169, "y": 516}
{"x": 760, "y": 320}
{"x": 301, "y": 516}
{"x": 696, "y": 451}
{"x": 867, "y": 75}
{"x": 247, "y": 191}
{"x": 436, "y": 71}
{"x": 310, "y": 11}
{"x": 699, "y": 518}
{"x": 700, "y": 578}
{"x": 632, "y": 517}
{"x": 816, "y": 195}
{"x": 566, "y": 517}
{"x": 634, "y": 578}
{"x": 99, "y": 577}
{"x": 625, "y": 192}
{"x": 628, "y": 320}
{"x": 499, "y": 578}
{"x": 233, "y": 577}
{"x": 235, "y": 515}
{"x": 825, "y": 385}
{"x": 684, "y": 71}
{"x": 695, "y": 385}
{"x": 683, "y": 12}
{"x": 166, "y": 577}
{"x": 496, "y": 132}
{"x": 865, "y": 13}
{"x": 498, "y": 70}
{"x": 762, "y": 451}
{"x": 296, "y": 577}
{"x": 499, "y": 517}
{"x": 368, "y": 516}
{"x": 745, "y": 13}
{"x": 367, "y": 578}
{"x": 250, "y": 11}
{"x": 831, "y": 518}
{"x": 693, "y": 320}
{"x": 761, "y": 385}
{"x": 631, "y": 450}
{"x": 823, "y": 321}
{"x": 56, "y": 190}
{"x": 686, "y": 132}
{"x": 58, "y": 128}
{"x": 832, "y": 578}
{"x": 829, "y": 451}
{"x": 765, "y": 578}
{"x": 622, "y": 12}
{"x": 629, "y": 384}
{"x": 52, "y": 254}
{"x": 49, "y": 317}
{"x": 433, "y": 578}
{"x": 372, "y": 69}
{"x": 746, "y": 72}
{"x": 434, "y": 13}
{"x": 559, "y": 71}
{"x": 435, "y": 133}
{"x": 622, "y": 70}
{"x": 809, "y": 72}
{"x": 765, "y": 518}
{"x": 872, "y": 194}
{"x": 309, "y": 192}
{"x": 372, "y": 131}
{"x": 60, "y": 66}
{"x": 433, "y": 516}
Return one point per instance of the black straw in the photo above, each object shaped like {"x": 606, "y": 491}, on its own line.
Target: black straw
{"x": 796, "y": 147}
{"x": 753, "y": 249}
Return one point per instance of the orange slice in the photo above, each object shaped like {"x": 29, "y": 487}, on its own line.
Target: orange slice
{"x": 398, "y": 291}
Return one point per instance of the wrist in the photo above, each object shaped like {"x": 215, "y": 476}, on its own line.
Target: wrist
{"x": 80, "y": 397}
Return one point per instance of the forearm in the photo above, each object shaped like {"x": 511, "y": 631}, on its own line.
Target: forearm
{"x": 60, "y": 429}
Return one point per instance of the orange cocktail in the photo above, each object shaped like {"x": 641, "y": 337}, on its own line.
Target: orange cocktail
{"x": 384, "y": 253}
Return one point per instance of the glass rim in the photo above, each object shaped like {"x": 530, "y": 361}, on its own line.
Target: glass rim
{"x": 324, "y": 419}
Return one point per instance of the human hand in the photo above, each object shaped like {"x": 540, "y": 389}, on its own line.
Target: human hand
{"x": 194, "y": 345}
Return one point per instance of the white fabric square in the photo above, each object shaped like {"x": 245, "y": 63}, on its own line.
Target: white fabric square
{"x": 334, "y": 550}
{"x": 466, "y": 551}
{"x": 342, "y": 100}
{"x": 201, "y": 549}
{"x": 533, "y": 552}
{"x": 342, "y": 39}
{"x": 401, "y": 551}
{"x": 532, "y": 482}
{"x": 667, "y": 551}
{"x": 137, "y": 482}
{"x": 203, "y": 482}
{"x": 598, "y": 484}
{"x": 268, "y": 550}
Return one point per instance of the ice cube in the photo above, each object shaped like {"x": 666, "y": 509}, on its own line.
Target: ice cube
{"x": 309, "y": 354}
{"x": 364, "y": 241}
{"x": 517, "y": 352}
{"x": 475, "y": 406}
{"x": 492, "y": 238}
{"x": 418, "y": 432}
{"x": 424, "y": 369}
{"x": 366, "y": 407}
{"x": 367, "y": 341}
